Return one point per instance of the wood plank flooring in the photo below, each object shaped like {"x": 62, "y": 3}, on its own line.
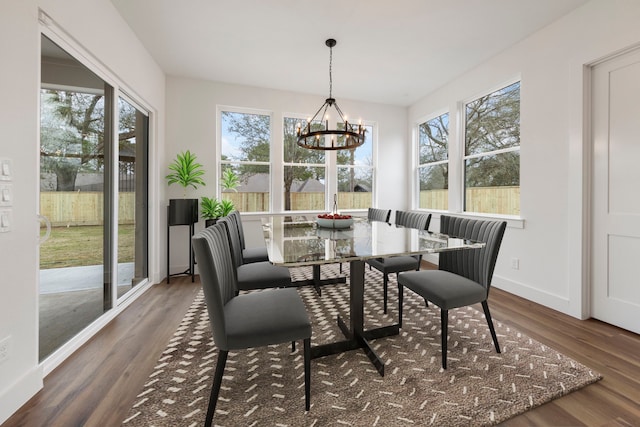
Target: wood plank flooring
{"x": 98, "y": 384}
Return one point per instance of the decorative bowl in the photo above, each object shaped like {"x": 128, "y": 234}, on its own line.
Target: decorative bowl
{"x": 334, "y": 223}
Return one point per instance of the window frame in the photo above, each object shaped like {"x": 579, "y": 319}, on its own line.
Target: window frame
{"x": 303, "y": 119}
{"x": 461, "y": 117}
{"x": 419, "y": 165}
{"x": 374, "y": 151}
{"x": 219, "y": 162}
{"x": 456, "y": 108}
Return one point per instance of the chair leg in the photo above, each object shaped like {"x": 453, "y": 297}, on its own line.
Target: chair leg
{"x": 444, "y": 326}
{"x": 215, "y": 389}
{"x": 400, "y": 298}
{"x": 385, "y": 283}
{"x": 487, "y": 314}
{"x": 293, "y": 346}
{"x": 426, "y": 302}
{"x": 307, "y": 373}
{"x": 340, "y": 268}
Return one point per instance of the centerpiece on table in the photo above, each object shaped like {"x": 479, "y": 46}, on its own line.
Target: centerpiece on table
{"x": 334, "y": 219}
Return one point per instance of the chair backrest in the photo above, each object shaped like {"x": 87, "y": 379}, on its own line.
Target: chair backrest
{"x": 381, "y": 215}
{"x": 238, "y": 218}
{"x": 474, "y": 264}
{"x": 416, "y": 220}
{"x": 234, "y": 239}
{"x": 217, "y": 274}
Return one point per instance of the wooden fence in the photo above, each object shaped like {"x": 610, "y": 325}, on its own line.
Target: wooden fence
{"x": 87, "y": 207}
{"x": 68, "y": 208}
{"x": 499, "y": 200}
{"x": 311, "y": 201}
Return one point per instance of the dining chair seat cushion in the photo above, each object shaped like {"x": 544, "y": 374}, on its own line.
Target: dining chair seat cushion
{"x": 262, "y": 275}
{"x": 446, "y": 290}
{"x": 266, "y": 317}
{"x": 394, "y": 264}
{"x": 257, "y": 254}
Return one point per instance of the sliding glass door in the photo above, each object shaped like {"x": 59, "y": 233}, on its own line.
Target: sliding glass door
{"x": 93, "y": 191}
{"x": 133, "y": 130}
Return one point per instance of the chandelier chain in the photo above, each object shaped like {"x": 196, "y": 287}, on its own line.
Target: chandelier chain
{"x": 330, "y": 67}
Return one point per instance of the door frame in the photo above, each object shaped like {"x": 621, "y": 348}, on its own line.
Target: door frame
{"x": 49, "y": 28}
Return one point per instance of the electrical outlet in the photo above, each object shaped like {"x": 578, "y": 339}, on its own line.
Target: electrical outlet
{"x": 515, "y": 263}
{"x": 4, "y": 349}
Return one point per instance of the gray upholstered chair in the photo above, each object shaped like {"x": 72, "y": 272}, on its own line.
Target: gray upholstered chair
{"x": 463, "y": 277}
{"x": 381, "y": 215}
{"x": 256, "y": 275}
{"x": 397, "y": 264}
{"x": 249, "y": 255}
{"x": 254, "y": 319}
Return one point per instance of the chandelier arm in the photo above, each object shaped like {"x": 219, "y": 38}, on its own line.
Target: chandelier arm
{"x": 335, "y": 104}
{"x": 317, "y": 112}
{"x": 324, "y": 113}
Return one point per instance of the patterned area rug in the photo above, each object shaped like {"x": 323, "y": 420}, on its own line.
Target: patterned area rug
{"x": 265, "y": 386}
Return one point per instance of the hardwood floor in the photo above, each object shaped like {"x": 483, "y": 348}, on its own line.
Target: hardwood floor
{"x": 97, "y": 385}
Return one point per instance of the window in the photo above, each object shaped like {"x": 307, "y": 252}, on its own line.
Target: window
{"x": 355, "y": 174}
{"x": 492, "y": 153}
{"x": 304, "y": 171}
{"x": 433, "y": 163}
{"x": 245, "y": 149}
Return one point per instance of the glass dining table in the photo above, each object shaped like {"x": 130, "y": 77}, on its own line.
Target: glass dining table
{"x": 297, "y": 240}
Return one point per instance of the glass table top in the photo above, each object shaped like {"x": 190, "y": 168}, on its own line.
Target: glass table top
{"x": 295, "y": 240}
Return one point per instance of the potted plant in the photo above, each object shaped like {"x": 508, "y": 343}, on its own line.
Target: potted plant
{"x": 212, "y": 208}
{"x": 186, "y": 172}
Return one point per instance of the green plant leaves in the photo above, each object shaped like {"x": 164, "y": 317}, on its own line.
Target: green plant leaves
{"x": 186, "y": 171}
{"x": 211, "y": 208}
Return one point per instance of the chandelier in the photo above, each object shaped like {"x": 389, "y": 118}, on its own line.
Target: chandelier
{"x": 348, "y": 138}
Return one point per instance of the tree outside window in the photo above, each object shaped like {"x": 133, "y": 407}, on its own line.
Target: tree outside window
{"x": 246, "y": 145}
{"x": 433, "y": 163}
{"x": 355, "y": 174}
{"x": 492, "y": 152}
{"x": 72, "y": 136}
{"x": 304, "y": 170}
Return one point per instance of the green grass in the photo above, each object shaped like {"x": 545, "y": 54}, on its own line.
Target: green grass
{"x": 83, "y": 245}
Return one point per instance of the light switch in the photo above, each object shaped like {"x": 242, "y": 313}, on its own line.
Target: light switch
{"x": 5, "y": 221}
{"x": 6, "y": 196}
{"x": 5, "y": 169}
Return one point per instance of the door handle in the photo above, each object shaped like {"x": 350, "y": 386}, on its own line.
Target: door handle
{"x": 47, "y": 223}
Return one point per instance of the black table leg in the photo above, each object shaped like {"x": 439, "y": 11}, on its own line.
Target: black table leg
{"x": 356, "y": 336}
{"x": 316, "y": 281}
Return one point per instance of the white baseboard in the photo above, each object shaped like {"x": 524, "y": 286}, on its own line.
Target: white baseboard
{"x": 554, "y": 301}
{"x": 19, "y": 393}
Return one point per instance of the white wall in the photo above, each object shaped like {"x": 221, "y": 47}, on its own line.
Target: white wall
{"x": 95, "y": 26}
{"x": 554, "y": 146}
{"x": 191, "y": 124}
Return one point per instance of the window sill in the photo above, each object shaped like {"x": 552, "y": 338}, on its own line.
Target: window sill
{"x": 512, "y": 221}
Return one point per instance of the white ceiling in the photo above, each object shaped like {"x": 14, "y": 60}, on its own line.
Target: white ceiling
{"x": 388, "y": 51}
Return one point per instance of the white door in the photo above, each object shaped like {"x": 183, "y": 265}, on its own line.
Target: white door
{"x": 615, "y": 250}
